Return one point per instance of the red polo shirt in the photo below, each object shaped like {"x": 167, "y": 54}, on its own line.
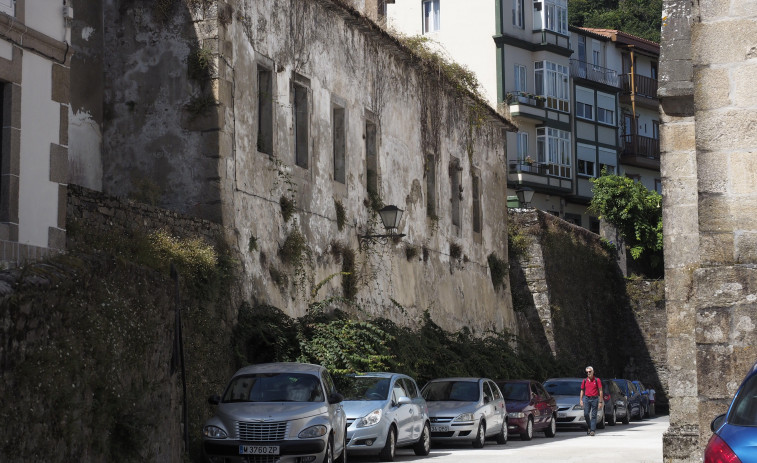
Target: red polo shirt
{"x": 591, "y": 387}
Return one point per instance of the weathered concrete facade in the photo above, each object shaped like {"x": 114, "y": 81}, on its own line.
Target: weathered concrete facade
{"x": 290, "y": 123}
{"x": 708, "y": 144}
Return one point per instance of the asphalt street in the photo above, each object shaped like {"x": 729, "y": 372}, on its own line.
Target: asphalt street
{"x": 637, "y": 442}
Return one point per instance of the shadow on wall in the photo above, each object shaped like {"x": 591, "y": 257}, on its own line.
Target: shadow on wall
{"x": 568, "y": 291}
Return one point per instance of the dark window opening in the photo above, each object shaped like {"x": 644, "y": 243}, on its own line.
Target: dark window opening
{"x": 430, "y": 186}
{"x": 371, "y": 158}
{"x": 301, "y": 126}
{"x": 456, "y": 192}
{"x": 476, "y": 193}
{"x": 339, "y": 145}
{"x": 265, "y": 111}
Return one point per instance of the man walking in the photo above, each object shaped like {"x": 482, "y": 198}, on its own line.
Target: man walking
{"x": 591, "y": 390}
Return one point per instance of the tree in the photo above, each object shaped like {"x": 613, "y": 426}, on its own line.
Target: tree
{"x": 637, "y": 214}
{"x": 642, "y": 18}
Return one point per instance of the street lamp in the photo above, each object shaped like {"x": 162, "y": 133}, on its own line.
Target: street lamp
{"x": 525, "y": 195}
{"x": 390, "y": 218}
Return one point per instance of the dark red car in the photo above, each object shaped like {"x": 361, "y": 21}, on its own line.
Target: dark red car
{"x": 529, "y": 408}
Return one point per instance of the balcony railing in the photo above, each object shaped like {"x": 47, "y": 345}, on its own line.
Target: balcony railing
{"x": 636, "y": 145}
{"x": 538, "y": 168}
{"x": 645, "y": 86}
{"x": 584, "y": 70}
{"x": 525, "y": 98}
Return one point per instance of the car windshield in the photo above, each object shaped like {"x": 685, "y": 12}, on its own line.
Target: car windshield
{"x": 622, "y": 386}
{"x": 460, "y": 391}
{"x": 744, "y": 408}
{"x": 364, "y": 388}
{"x": 274, "y": 387}
{"x": 515, "y": 391}
{"x": 563, "y": 387}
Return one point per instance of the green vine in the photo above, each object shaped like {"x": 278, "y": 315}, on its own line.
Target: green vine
{"x": 287, "y": 207}
{"x": 341, "y": 214}
{"x": 498, "y": 270}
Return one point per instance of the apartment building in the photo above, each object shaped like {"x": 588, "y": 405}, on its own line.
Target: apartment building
{"x": 583, "y": 99}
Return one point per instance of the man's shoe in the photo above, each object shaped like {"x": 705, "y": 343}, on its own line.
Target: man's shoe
{"x": 591, "y": 433}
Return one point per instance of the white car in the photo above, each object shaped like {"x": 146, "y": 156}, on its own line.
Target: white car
{"x": 384, "y": 411}
{"x": 466, "y": 410}
{"x": 287, "y": 412}
{"x": 567, "y": 392}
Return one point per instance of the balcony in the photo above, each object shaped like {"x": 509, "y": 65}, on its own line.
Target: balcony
{"x": 584, "y": 70}
{"x": 640, "y": 151}
{"x": 541, "y": 176}
{"x": 645, "y": 87}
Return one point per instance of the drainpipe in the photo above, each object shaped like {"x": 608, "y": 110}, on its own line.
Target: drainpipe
{"x": 633, "y": 98}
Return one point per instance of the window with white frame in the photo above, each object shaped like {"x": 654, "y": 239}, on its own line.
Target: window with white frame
{"x": 551, "y": 81}
{"x": 553, "y": 146}
{"x": 8, "y": 7}
{"x": 606, "y": 108}
{"x": 586, "y": 160}
{"x": 556, "y": 16}
{"x": 521, "y": 78}
{"x": 585, "y": 103}
{"x": 430, "y": 16}
{"x": 518, "y": 14}
{"x": 522, "y": 145}
{"x": 608, "y": 161}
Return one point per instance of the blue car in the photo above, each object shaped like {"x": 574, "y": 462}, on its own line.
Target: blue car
{"x": 734, "y": 436}
{"x": 633, "y": 396}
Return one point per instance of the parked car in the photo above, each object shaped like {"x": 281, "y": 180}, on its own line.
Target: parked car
{"x": 735, "y": 432}
{"x": 634, "y": 398}
{"x": 570, "y": 413}
{"x": 645, "y": 403}
{"x": 616, "y": 403}
{"x": 287, "y": 410}
{"x": 385, "y": 411}
{"x": 529, "y": 408}
{"x": 466, "y": 410}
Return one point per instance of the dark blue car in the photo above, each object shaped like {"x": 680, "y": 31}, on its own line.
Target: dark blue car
{"x": 644, "y": 397}
{"x": 735, "y": 433}
{"x": 635, "y": 404}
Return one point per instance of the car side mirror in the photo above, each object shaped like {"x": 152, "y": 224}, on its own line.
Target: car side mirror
{"x": 335, "y": 398}
{"x": 214, "y": 399}
{"x": 717, "y": 422}
{"x": 404, "y": 401}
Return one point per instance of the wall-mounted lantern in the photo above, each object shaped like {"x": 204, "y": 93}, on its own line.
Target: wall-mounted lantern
{"x": 525, "y": 195}
{"x": 390, "y": 217}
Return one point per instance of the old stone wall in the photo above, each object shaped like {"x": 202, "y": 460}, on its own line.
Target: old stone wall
{"x": 707, "y": 144}
{"x": 572, "y": 299}
{"x": 216, "y": 136}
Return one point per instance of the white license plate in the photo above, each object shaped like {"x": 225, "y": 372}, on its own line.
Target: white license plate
{"x": 562, "y": 415}
{"x": 439, "y": 429}
{"x": 258, "y": 449}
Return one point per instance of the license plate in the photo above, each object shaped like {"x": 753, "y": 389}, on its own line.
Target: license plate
{"x": 562, "y": 415}
{"x": 439, "y": 429}
{"x": 258, "y": 449}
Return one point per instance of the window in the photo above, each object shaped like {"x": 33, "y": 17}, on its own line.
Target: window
{"x": 371, "y": 158}
{"x": 607, "y": 161}
{"x": 575, "y": 219}
{"x": 551, "y": 80}
{"x": 430, "y": 185}
{"x": 520, "y": 78}
{"x": 585, "y": 168}
{"x": 338, "y": 137}
{"x": 265, "y": 111}
{"x": 518, "y": 14}
{"x": 653, "y": 70}
{"x": 606, "y": 108}
{"x": 554, "y": 149}
{"x": 594, "y": 227}
{"x": 596, "y": 57}
{"x": 301, "y": 125}
{"x": 556, "y": 16}
{"x": 585, "y": 103}
{"x": 658, "y": 185}
{"x": 430, "y": 16}
{"x": 476, "y": 193}
{"x": 586, "y": 156}
{"x": 7, "y": 6}
{"x": 656, "y": 130}
{"x": 522, "y": 140}
{"x": 584, "y": 111}
{"x": 456, "y": 193}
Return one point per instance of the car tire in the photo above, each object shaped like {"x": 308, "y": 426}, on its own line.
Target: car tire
{"x": 601, "y": 422}
{"x": 613, "y": 419}
{"x": 551, "y": 431}
{"x": 387, "y": 453}
{"x": 423, "y": 446}
{"x": 328, "y": 457}
{"x": 502, "y": 434}
{"x": 343, "y": 456}
{"x": 627, "y": 417}
{"x": 480, "y": 439}
{"x": 528, "y": 434}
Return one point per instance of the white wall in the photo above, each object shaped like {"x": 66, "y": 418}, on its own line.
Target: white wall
{"x": 40, "y": 123}
{"x": 46, "y": 17}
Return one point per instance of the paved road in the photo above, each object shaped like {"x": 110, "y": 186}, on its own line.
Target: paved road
{"x": 637, "y": 442}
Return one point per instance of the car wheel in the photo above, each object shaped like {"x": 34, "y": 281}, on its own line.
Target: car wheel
{"x": 613, "y": 418}
{"x": 343, "y": 456}
{"x": 329, "y": 456}
{"x": 480, "y": 436}
{"x": 502, "y": 434}
{"x": 601, "y": 421}
{"x": 387, "y": 453}
{"x": 627, "y": 417}
{"x": 552, "y": 429}
{"x": 529, "y": 432}
{"x": 423, "y": 446}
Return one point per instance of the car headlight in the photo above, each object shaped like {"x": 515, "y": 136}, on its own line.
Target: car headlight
{"x": 214, "y": 432}
{"x": 371, "y": 419}
{"x": 516, "y": 415}
{"x": 318, "y": 430}
{"x": 577, "y": 407}
{"x": 464, "y": 417}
